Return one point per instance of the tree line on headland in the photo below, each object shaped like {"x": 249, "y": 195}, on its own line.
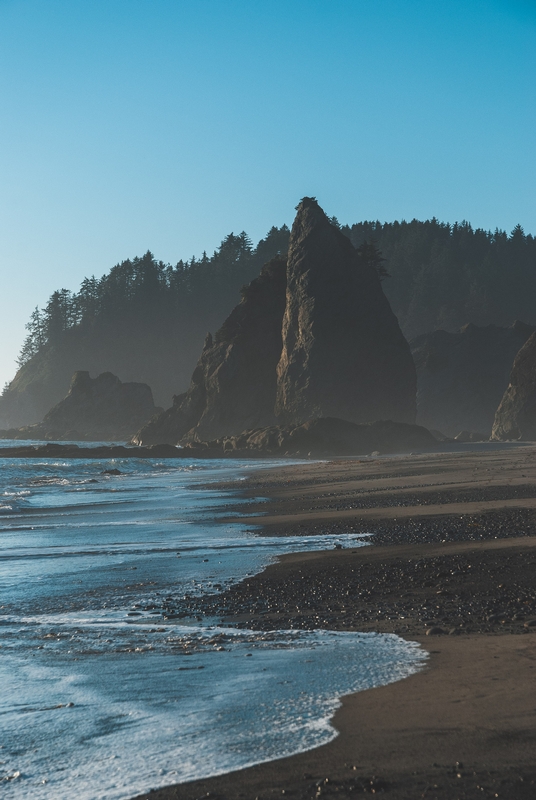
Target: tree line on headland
{"x": 141, "y": 287}
{"x": 146, "y": 320}
{"x": 441, "y": 276}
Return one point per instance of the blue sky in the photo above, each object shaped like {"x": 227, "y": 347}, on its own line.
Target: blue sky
{"x": 128, "y": 125}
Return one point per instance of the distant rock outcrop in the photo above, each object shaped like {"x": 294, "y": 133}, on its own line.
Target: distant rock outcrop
{"x": 516, "y": 414}
{"x": 461, "y": 377}
{"x": 311, "y": 337}
{"x": 233, "y": 386}
{"x": 343, "y": 352}
{"x": 95, "y": 409}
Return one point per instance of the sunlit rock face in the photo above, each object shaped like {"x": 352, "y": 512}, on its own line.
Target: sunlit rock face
{"x": 461, "y": 377}
{"x": 233, "y": 386}
{"x": 343, "y": 352}
{"x": 516, "y": 415}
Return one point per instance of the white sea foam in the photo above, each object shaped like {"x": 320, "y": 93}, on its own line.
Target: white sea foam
{"x": 103, "y": 697}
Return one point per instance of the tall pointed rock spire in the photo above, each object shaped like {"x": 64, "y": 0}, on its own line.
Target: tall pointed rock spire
{"x": 343, "y": 353}
{"x": 328, "y": 347}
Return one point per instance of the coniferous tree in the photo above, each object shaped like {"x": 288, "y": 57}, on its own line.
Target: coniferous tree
{"x": 35, "y": 339}
{"x": 371, "y": 256}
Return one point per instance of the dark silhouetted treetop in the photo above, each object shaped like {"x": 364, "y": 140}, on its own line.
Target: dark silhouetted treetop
{"x": 35, "y": 339}
{"x": 372, "y": 257}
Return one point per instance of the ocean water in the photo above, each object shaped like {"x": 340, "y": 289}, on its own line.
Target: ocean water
{"x": 101, "y": 695}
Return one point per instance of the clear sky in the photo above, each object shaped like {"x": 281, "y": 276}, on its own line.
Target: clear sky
{"x": 128, "y": 125}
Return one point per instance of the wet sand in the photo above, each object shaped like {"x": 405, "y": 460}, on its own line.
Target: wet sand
{"x": 455, "y": 569}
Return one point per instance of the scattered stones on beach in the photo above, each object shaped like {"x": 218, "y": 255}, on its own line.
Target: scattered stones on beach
{"x": 388, "y": 590}
{"x": 500, "y": 524}
{"x": 458, "y": 573}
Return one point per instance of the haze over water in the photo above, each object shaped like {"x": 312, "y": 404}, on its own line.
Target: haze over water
{"x": 104, "y": 697}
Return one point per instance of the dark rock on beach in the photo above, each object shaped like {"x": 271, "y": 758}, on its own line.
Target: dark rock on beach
{"x": 331, "y": 436}
{"x": 516, "y": 415}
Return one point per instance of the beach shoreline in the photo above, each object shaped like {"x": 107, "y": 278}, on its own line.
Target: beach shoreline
{"x": 461, "y": 584}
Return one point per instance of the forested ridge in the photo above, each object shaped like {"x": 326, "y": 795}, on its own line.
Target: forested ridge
{"x": 146, "y": 320}
{"x": 443, "y": 276}
{"x": 140, "y": 287}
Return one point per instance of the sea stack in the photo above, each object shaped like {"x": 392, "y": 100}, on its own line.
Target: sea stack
{"x": 343, "y": 353}
{"x": 516, "y": 415}
{"x": 314, "y": 336}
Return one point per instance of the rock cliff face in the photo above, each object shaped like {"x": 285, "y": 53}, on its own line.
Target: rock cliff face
{"x": 461, "y": 377}
{"x": 101, "y": 408}
{"x": 233, "y": 387}
{"x": 516, "y": 415}
{"x": 312, "y": 337}
{"x": 343, "y": 352}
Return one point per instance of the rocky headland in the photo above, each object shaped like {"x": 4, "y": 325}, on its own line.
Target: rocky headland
{"x": 314, "y": 336}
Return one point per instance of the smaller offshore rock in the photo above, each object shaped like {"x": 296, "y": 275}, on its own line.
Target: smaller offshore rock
{"x": 462, "y": 376}
{"x": 95, "y": 409}
{"x": 233, "y": 386}
{"x": 516, "y": 414}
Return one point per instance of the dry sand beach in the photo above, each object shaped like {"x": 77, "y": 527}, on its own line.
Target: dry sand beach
{"x": 453, "y": 567}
